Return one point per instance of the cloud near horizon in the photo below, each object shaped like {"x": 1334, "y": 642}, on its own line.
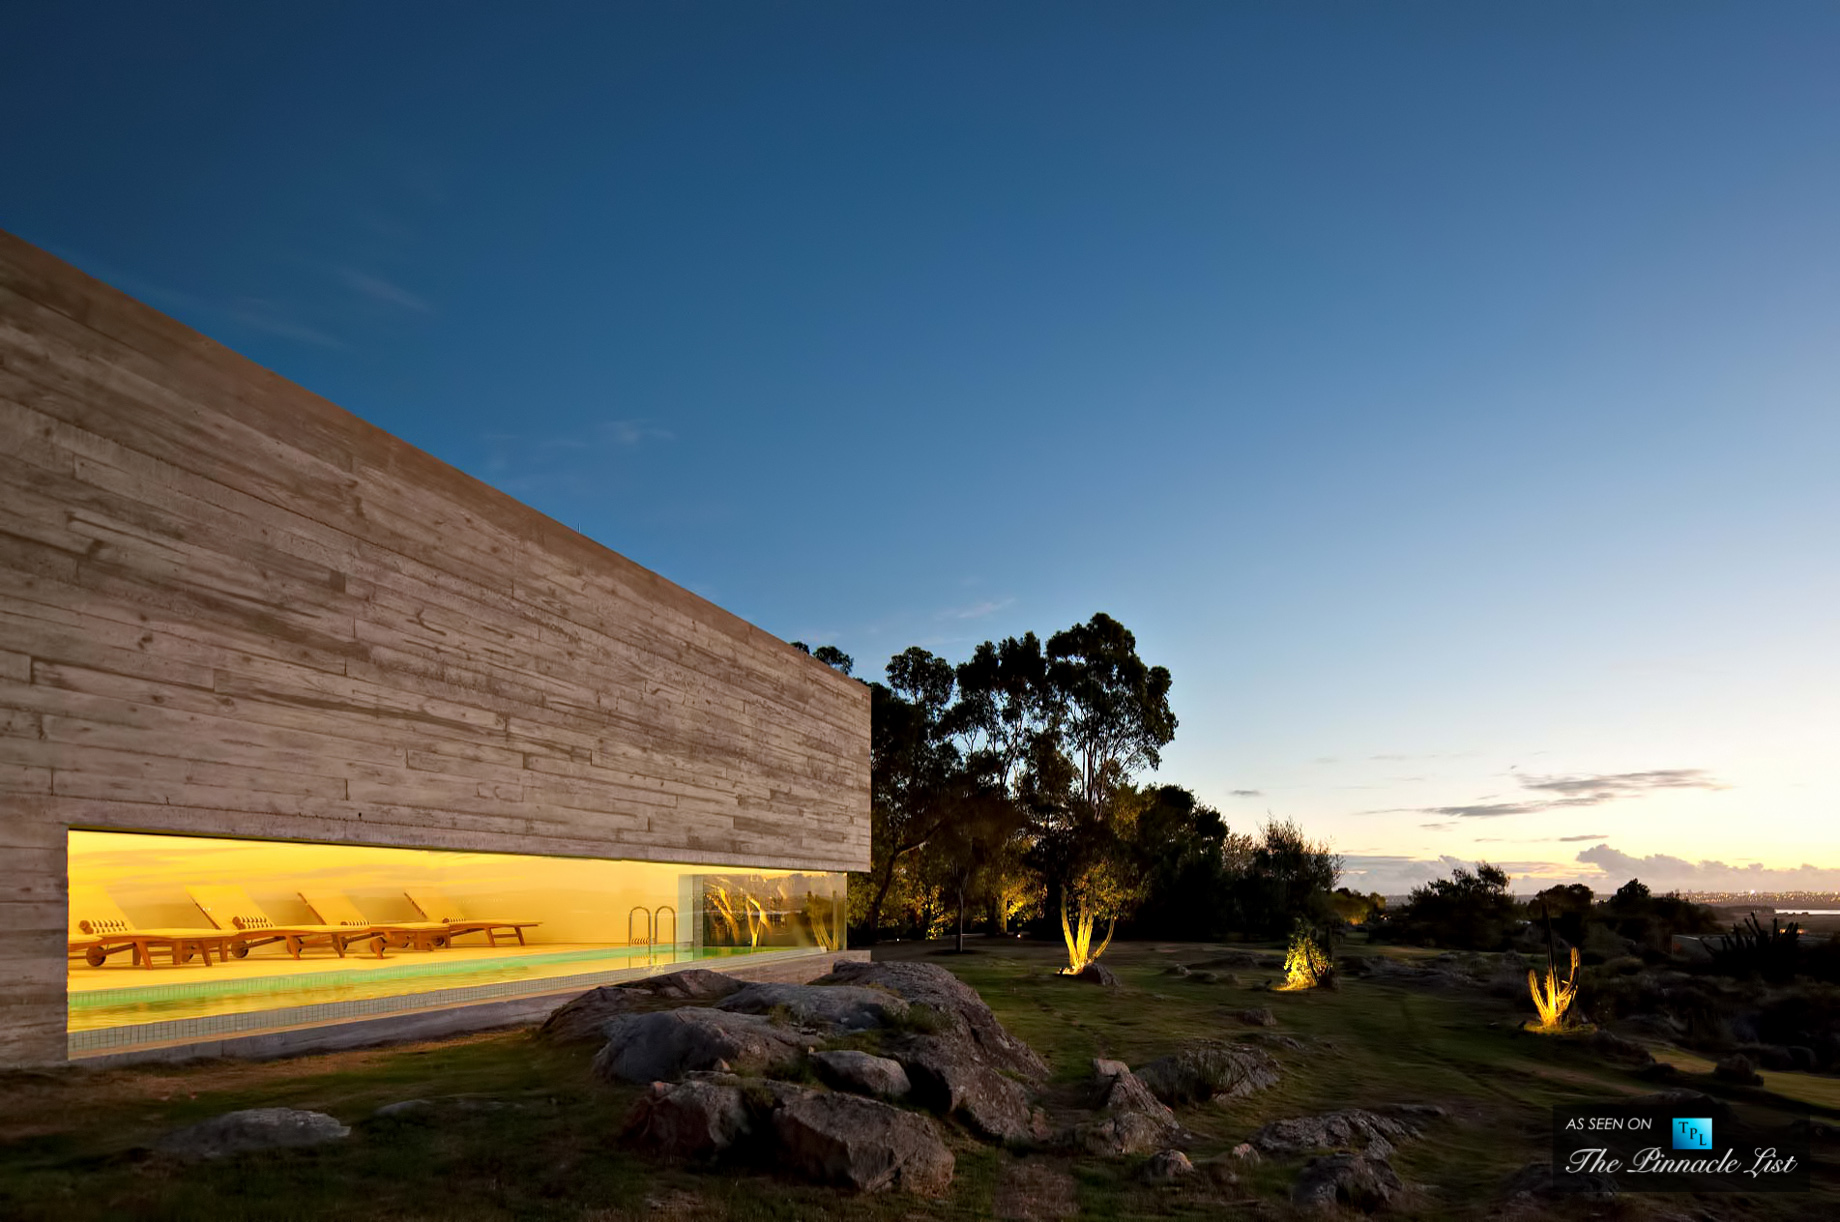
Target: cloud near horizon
{"x": 1579, "y": 791}
{"x": 1600, "y": 867}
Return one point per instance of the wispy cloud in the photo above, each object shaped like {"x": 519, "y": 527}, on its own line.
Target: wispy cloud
{"x": 1248, "y": 793}
{"x": 1594, "y": 790}
{"x": 255, "y": 314}
{"x": 573, "y": 464}
{"x": 1621, "y": 783}
{"x": 1592, "y": 836}
{"x": 633, "y": 432}
{"x": 976, "y": 610}
{"x": 379, "y": 289}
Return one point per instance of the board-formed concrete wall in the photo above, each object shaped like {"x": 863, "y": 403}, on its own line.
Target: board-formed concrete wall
{"x": 229, "y": 607}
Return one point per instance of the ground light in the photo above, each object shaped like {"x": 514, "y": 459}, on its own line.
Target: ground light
{"x": 1078, "y": 935}
{"x": 1305, "y": 964}
{"x": 1553, "y": 997}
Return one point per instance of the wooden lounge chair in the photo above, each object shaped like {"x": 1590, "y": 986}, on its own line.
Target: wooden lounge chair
{"x": 336, "y": 908}
{"x": 99, "y": 928}
{"x": 230, "y": 908}
{"x": 437, "y": 907}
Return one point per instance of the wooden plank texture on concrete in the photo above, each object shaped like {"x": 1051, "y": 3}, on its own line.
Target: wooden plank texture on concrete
{"x": 229, "y": 607}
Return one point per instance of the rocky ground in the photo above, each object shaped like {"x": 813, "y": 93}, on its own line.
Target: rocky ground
{"x": 1175, "y": 1084}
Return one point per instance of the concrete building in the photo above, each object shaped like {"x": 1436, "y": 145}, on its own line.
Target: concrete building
{"x": 302, "y": 728}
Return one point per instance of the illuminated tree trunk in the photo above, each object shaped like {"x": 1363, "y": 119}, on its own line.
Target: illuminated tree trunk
{"x": 1078, "y": 935}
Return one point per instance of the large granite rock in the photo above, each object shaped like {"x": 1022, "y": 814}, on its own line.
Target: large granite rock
{"x": 861, "y": 1074}
{"x": 259, "y": 1128}
{"x": 1363, "y": 1181}
{"x": 646, "y": 1048}
{"x": 1097, "y": 973}
{"x": 927, "y": 984}
{"x": 1208, "y": 1069}
{"x": 861, "y": 1144}
{"x": 1349, "y": 1129}
{"x": 691, "y": 984}
{"x": 1131, "y": 1119}
{"x": 699, "y": 1118}
{"x": 584, "y": 1019}
{"x": 834, "y": 1007}
{"x": 950, "y": 1076}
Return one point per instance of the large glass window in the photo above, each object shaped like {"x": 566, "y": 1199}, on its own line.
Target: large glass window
{"x": 179, "y": 938}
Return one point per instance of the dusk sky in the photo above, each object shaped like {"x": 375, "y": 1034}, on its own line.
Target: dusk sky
{"x": 1448, "y": 394}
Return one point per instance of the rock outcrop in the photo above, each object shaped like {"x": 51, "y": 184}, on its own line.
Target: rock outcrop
{"x": 861, "y": 1144}
{"x": 259, "y": 1128}
{"x": 1349, "y": 1129}
{"x": 1362, "y": 1181}
{"x": 699, "y": 1118}
{"x": 1131, "y": 1119}
{"x": 830, "y": 1007}
{"x": 862, "y": 1074}
{"x": 957, "y": 1004}
{"x": 950, "y": 1075}
{"x": 663, "y": 1046}
{"x": 1209, "y": 1069}
{"x": 584, "y": 1019}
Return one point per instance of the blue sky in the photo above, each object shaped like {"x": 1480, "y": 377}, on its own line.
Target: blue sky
{"x": 1446, "y": 393}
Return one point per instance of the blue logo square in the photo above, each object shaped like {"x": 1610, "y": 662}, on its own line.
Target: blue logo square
{"x": 1692, "y": 1133}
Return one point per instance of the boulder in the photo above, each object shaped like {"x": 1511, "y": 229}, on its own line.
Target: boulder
{"x": 258, "y": 1128}
{"x": 1364, "y": 1181}
{"x": 1097, "y": 973}
{"x": 1613, "y": 1047}
{"x": 699, "y": 1118}
{"x": 1259, "y": 1017}
{"x": 1272, "y": 1039}
{"x": 928, "y": 984}
{"x": 691, "y": 984}
{"x": 582, "y": 1020}
{"x": 1536, "y": 1180}
{"x": 948, "y": 1075}
{"x": 663, "y": 1046}
{"x": 404, "y": 1109}
{"x": 861, "y": 1144}
{"x": 1349, "y": 1129}
{"x": 1131, "y": 1119}
{"x": 1737, "y": 1069}
{"x": 1207, "y": 1069}
{"x": 834, "y": 1007}
{"x": 861, "y": 1073}
{"x": 1175, "y": 969}
{"x": 1167, "y": 1166}
{"x": 1205, "y": 977}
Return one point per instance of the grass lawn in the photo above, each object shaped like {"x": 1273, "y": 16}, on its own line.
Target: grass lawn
{"x": 527, "y": 1134}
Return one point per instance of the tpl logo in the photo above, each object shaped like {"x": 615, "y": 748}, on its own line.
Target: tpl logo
{"x": 1692, "y": 1133}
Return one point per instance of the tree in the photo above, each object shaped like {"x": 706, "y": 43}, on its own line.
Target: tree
{"x": 1179, "y": 846}
{"x": 912, "y": 764}
{"x": 1106, "y": 717}
{"x": 1467, "y": 911}
{"x": 966, "y": 847}
{"x": 830, "y": 655}
{"x": 1289, "y": 878}
{"x": 1004, "y": 706}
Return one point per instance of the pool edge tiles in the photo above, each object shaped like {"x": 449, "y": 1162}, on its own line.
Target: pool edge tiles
{"x": 106, "y": 1040}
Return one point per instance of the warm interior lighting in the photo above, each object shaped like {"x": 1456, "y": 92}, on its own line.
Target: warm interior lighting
{"x": 1305, "y": 964}
{"x": 165, "y": 927}
{"x": 1553, "y": 997}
